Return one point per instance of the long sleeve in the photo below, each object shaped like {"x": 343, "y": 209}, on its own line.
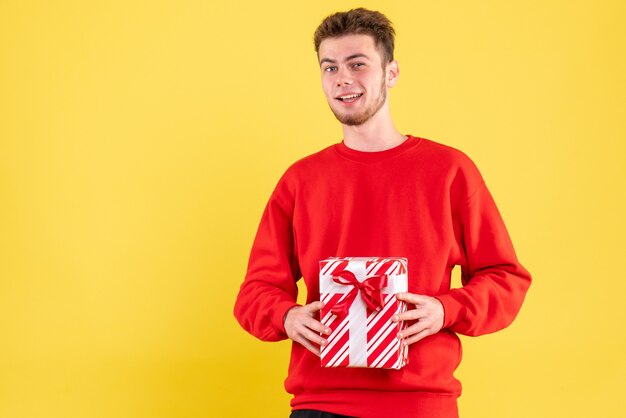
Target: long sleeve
{"x": 269, "y": 289}
{"x": 494, "y": 282}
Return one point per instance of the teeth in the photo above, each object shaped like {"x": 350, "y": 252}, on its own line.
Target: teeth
{"x": 350, "y": 96}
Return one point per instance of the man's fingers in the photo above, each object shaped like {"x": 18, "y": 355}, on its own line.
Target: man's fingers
{"x": 415, "y": 338}
{"x": 313, "y": 336}
{"x": 317, "y": 326}
{"x": 313, "y": 323}
{"x": 428, "y": 314}
{"x": 411, "y": 298}
{"x": 413, "y": 329}
{"x": 314, "y": 306}
{"x": 413, "y": 314}
{"x": 309, "y": 339}
{"x": 303, "y": 328}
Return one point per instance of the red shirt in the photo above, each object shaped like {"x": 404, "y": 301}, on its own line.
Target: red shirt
{"x": 421, "y": 200}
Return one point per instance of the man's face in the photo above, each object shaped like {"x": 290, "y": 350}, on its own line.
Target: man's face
{"x": 353, "y": 79}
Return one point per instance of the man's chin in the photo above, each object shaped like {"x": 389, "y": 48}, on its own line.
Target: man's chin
{"x": 350, "y": 120}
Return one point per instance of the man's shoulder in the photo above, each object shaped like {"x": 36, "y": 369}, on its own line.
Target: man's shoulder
{"x": 443, "y": 157}
{"x": 447, "y": 152}
{"x": 461, "y": 173}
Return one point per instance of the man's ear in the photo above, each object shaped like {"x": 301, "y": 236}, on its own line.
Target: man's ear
{"x": 392, "y": 71}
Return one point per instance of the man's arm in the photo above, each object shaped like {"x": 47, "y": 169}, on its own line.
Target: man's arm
{"x": 269, "y": 289}
{"x": 494, "y": 282}
{"x": 266, "y": 304}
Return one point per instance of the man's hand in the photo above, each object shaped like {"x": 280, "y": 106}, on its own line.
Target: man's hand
{"x": 303, "y": 328}
{"x": 428, "y": 316}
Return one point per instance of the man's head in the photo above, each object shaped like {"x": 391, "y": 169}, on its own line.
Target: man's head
{"x": 355, "y": 53}
{"x": 359, "y": 22}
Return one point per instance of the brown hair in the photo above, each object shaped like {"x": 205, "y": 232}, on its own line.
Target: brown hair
{"x": 359, "y": 21}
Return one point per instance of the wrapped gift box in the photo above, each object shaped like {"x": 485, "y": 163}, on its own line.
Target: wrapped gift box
{"x": 359, "y": 302}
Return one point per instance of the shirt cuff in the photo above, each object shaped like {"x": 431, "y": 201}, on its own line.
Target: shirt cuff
{"x": 278, "y": 320}
{"x": 453, "y": 308}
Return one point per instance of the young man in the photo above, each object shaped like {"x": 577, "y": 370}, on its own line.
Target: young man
{"x": 379, "y": 193}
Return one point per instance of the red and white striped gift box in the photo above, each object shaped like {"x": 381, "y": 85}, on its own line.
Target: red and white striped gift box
{"x": 359, "y": 302}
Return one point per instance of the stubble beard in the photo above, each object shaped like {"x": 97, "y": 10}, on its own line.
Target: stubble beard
{"x": 360, "y": 119}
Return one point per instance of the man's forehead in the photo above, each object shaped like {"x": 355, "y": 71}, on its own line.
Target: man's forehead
{"x": 347, "y": 46}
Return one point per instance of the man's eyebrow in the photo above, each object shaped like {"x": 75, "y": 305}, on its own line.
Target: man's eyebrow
{"x": 351, "y": 57}
{"x": 327, "y": 60}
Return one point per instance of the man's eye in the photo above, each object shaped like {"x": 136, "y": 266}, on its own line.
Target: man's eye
{"x": 357, "y": 64}
{"x": 329, "y": 69}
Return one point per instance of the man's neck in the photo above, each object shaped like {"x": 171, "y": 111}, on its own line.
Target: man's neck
{"x": 377, "y": 134}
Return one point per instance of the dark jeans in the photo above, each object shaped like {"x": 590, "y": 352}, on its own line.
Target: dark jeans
{"x": 312, "y": 413}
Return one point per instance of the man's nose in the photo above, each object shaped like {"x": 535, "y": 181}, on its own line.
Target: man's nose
{"x": 343, "y": 78}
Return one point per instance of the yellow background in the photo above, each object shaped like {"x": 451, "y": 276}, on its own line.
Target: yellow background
{"x": 140, "y": 140}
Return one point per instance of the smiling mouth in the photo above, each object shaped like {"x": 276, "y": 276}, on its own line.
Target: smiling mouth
{"x": 348, "y": 98}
